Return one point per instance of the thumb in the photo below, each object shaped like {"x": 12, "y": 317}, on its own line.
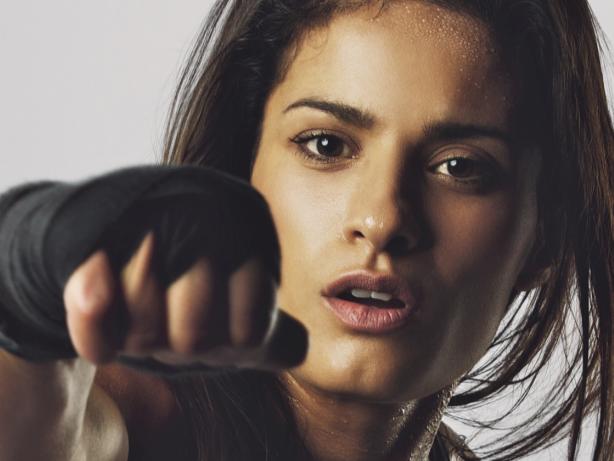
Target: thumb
{"x": 286, "y": 342}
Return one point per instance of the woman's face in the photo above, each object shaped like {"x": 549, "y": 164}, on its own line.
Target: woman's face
{"x": 386, "y": 150}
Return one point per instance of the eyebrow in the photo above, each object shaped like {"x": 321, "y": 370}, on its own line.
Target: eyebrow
{"x": 432, "y": 131}
{"x": 343, "y": 112}
{"x": 447, "y": 131}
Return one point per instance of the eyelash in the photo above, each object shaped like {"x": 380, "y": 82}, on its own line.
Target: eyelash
{"x": 483, "y": 175}
{"x": 486, "y": 169}
{"x": 303, "y": 139}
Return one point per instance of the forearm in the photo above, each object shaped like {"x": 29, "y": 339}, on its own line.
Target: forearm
{"x": 48, "y": 229}
{"x": 43, "y": 407}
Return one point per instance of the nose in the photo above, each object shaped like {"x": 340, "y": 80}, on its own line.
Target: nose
{"x": 386, "y": 216}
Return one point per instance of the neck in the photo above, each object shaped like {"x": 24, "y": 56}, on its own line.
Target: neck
{"x": 338, "y": 428}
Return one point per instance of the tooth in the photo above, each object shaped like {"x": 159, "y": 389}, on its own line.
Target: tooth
{"x": 357, "y": 293}
{"x": 381, "y": 296}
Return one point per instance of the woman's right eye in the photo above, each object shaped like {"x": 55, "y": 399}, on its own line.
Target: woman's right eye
{"x": 323, "y": 146}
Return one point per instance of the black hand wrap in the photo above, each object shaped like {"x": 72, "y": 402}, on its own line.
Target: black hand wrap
{"x": 47, "y": 229}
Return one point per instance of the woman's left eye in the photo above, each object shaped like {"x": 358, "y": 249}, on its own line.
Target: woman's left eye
{"x": 465, "y": 170}
{"x": 322, "y": 146}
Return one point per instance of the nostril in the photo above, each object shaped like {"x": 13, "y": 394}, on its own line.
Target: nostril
{"x": 398, "y": 244}
{"x": 357, "y": 235}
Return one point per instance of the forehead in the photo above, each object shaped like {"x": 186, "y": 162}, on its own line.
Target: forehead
{"x": 407, "y": 56}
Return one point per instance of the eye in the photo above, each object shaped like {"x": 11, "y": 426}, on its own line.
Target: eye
{"x": 458, "y": 167}
{"x": 466, "y": 170}
{"x": 323, "y": 146}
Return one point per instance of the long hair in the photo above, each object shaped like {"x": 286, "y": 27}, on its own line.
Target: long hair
{"x": 243, "y": 51}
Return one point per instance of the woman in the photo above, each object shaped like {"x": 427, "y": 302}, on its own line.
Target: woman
{"x": 426, "y": 164}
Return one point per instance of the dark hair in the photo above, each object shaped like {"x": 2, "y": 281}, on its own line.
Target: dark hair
{"x": 215, "y": 120}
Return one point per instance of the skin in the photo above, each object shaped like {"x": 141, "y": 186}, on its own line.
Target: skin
{"x": 389, "y": 201}
{"x": 404, "y": 191}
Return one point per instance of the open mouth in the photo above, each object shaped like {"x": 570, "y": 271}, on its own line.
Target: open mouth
{"x": 372, "y": 303}
{"x": 369, "y": 298}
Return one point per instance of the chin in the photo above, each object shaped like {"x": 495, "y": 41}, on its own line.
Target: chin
{"x": 362, "y": 380}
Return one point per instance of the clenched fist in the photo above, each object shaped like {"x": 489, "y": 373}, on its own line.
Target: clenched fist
{"x": 186, "y": 281}
{"x": 202, "y": 317}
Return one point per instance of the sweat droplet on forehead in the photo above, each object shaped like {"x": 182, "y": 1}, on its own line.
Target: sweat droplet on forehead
{"x": 470, "y": 49}
{"x": 465, "y": 35}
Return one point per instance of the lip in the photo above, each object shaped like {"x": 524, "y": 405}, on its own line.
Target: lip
{"x": 363, "y": 318}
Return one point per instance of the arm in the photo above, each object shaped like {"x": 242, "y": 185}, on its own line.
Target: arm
{"x": 48, "y": 408}
{"x": 42, "y": 407}
{"x": 48, "y": 229}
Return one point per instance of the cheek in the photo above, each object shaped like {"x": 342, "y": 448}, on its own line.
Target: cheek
{"x": 481, "y": 246}
{"x": 307, "y": 211}
{"x": 473, "y": 236}
{"x": 306, "y": 215}
{"x": 483, "y": 237}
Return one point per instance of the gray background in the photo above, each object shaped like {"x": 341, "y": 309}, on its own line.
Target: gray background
{"x": 85, "y": 85}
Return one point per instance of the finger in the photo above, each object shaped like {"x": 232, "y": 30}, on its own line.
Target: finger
{"x": 144, "y": 301}
{"x": 285, "y": 346}
{"x": 197, "y": 311}
{"x": 90, "y": 296}
{"x": 251, "y": 292}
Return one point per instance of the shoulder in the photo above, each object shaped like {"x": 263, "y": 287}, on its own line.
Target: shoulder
{"x": 456, "y": 445}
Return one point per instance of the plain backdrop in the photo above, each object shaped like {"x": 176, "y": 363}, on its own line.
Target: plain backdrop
{"x": 84, "y": 86}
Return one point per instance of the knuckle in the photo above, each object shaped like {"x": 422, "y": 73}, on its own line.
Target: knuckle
{"x": 93, "y": 347}
{"x": 252, "y": 300}
{"x": 249, "y": 331}
{"x": 145, "y": 286}
{"x": 145, "y": 320}
{"x": 91, "y": 289}
{"x": 142, "y": 340}
{"x": 186, "y": 343}
{"x": 192, "y": 292}
{"x": 195, "y": 306}
{"x": 100, "y": 356}
{"x": 191, "y": 334}
{"x": 95, "y": 308}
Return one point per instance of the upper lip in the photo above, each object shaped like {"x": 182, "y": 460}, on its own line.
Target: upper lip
{"x": 387, "y": 283}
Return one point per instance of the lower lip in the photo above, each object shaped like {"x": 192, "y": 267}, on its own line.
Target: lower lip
{"x": 362, "y": 318}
